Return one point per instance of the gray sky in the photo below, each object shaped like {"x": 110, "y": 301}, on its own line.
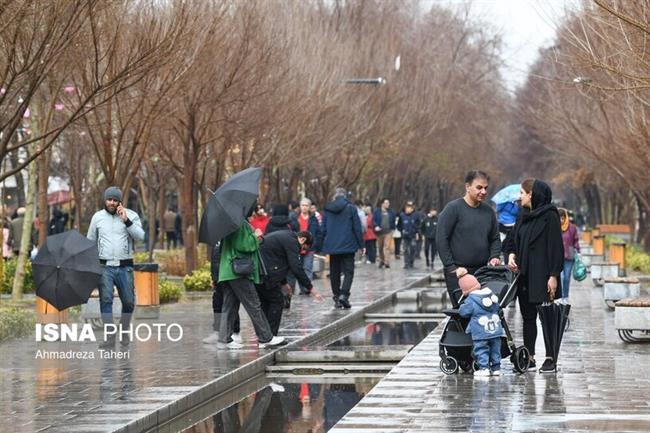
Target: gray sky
{"x": 526, "y": 25}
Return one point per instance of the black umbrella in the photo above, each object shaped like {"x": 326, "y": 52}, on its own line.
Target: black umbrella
{"x": 229, "y": 206}
{"x": 554, "y": 317}
{"x": 66, "y": 269}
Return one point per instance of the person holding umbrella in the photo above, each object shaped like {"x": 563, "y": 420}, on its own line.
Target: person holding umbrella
{"x": 225, "y": 219}
{"x": 535, "y": 249}
{"x": 115, "y": 229}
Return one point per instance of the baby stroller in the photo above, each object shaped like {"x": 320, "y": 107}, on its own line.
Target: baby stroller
{"x": 456, "y": 344}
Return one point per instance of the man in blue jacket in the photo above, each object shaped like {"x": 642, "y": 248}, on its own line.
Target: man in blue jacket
{"x": 342, "y": 238}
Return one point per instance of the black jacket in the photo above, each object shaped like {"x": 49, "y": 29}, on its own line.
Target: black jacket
{"x": 536, "y": 241}
{"x": 281, "y": 222}
{"x": 429, "y": 226}
{"x": 281, "y": 254}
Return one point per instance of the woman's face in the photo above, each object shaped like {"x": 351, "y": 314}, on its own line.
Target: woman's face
{"x": 526, "y": 198}
{"x": 562, "y": 217}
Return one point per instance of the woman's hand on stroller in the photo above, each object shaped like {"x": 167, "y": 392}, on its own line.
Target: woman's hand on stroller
{"x": 512, "y": 264}
{"x": 495, "y": 261}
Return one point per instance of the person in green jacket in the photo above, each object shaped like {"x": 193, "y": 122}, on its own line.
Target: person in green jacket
{"x": 241, "y": 288}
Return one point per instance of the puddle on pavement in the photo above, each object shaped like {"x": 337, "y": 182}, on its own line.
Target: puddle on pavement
{"x": 305, "y": 405}
{"x": 386, "y": 334}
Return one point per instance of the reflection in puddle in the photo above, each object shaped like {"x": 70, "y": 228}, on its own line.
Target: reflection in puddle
{"x": 386, "y": 334}
{"x": 299, "y": 407}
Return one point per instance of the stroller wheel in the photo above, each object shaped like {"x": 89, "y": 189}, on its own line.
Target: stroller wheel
{"x": 449, "y": 365}
{"x": 521, "y": 359}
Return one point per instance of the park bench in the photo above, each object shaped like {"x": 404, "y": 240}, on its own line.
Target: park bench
{"x": 622, "y": 231}
{"x": 632, "y": 319}
{"x": 589, "y": 258}
{"x": 602, "y": 270}
{"x": 618, "y": 288}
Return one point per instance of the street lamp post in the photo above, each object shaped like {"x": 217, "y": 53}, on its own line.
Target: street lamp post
{"x": 372, "y": 81}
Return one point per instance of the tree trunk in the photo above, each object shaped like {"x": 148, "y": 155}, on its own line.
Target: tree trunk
{"x": 20, "y": 183}
{"x": 189, "y": 227}
{"x": 43, "y": 163}
{"x": 19, "y": 279}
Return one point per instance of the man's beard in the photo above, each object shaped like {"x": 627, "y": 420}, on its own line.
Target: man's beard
{"x": 109, "y": 211}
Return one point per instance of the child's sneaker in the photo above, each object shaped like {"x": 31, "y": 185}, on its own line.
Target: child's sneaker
{"x": 496, "y": 372}
{"x": 484, "y": 372}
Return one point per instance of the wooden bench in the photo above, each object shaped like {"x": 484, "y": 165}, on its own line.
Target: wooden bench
{"x": 622, "y": 231}
{"x": 616, "y": 289}
{"x": 632, "y": 319}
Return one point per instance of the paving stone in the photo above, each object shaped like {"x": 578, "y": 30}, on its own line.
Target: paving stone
{"x": 42, "y": 394}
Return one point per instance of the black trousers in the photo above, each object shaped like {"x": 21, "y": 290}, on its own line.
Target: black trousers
{"x": 452, "y": 285}
{"x": 398, "y": 246}
{"x": 341, "y": 264}
{"x": 529, "y": 313}
{"x": 371, "y": 250}
{"x": 272, "y": 302}
{"x": 430, "y": 250}
{"x": 171, "y": 240}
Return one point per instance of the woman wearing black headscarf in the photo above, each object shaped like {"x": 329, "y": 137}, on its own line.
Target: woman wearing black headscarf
{"x": 535, "y": 249}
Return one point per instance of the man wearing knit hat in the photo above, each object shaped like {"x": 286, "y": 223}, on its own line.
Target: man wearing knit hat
{"x": 115, "y": 229}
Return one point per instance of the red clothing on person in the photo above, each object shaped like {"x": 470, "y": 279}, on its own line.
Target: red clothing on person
{"x": 260, "y": 222}
{"x": 370, "y": 234}
{"x": 303, "y": 223}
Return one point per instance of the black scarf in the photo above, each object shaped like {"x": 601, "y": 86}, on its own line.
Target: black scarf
{"x": 531, "y": 225}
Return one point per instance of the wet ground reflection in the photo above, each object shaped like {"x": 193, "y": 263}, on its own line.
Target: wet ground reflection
{"x": 313, "y": 405}
{"x": 386, "y": 334}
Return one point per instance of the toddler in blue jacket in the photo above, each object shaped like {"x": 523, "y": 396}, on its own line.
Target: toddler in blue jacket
{"x": 482, "y": 307}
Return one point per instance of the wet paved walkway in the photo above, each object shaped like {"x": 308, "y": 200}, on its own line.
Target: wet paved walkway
{"x": 602, "y": 385}
{"x": 102, "y": 395}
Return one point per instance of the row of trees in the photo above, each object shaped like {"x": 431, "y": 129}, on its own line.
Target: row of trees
{"x": 587, "y": 99}
{"x": 166, "y": 98}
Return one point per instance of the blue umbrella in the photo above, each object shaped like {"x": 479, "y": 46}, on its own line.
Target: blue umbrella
{"x": 509, "y": 194}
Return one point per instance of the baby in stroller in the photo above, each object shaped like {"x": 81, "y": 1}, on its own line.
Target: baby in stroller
{"x": 456, "y": 344}
{"x": 481, "y": 306}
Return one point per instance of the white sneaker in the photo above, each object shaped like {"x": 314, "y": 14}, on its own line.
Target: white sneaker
{"x": 236, "y": 337}
{"x": 276, "y": 387}
{"x": 275, "y": 341}
{"x": 212, "y": 338}
{"x": 231, "y": 345}
{"x": 484, "y": 372}
{"x": 496, "y": 373}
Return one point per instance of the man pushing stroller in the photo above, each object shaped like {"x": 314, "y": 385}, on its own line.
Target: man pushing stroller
{"x": 482, "y": 307}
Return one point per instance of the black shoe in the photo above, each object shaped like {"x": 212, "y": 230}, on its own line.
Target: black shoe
{"x": 548, "y": 366}
{"x": 345, "y": 304}
{"x": 381, "y": 265}
{"x": 108, "y": 344}
{"x": 428, "y": 265}
{"x": 337, "y": 304}
{"x": 387, "y": 266}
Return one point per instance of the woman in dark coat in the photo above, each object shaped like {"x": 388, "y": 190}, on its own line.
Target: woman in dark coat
{"x": 535, "y": 249}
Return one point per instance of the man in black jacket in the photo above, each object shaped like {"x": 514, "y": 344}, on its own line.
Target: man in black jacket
{"x": 281, "y": 253}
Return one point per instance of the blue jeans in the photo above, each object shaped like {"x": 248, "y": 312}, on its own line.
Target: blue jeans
{"x": 308, "y": 265}
{"x": 122, "y": 278}
{"x": 566, "y": 277}
{"x": 487, "y": 353}
{"x": 408, "y": 246}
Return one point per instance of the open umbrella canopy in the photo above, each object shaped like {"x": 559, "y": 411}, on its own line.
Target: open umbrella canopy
{"x": 66, "y": 269}
{"x": 229, "y": 206}
{"x": 509, "y": 194}
{"x": 554, "y": 317}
